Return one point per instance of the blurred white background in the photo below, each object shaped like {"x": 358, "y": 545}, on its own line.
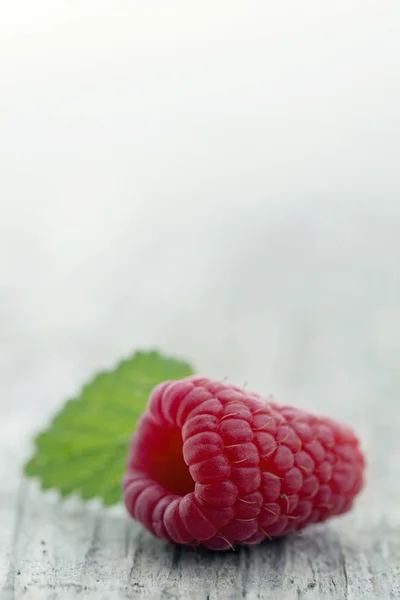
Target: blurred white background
{"x": 216, "y": 179}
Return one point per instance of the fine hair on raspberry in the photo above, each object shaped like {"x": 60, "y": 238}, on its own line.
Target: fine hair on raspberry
{"x": 216, "y": 466}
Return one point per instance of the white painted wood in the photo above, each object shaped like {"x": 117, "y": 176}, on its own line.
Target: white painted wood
{"x": 54, "y": 550}
{"x": 323, "y": 346}
{"x": 68, "y": 551}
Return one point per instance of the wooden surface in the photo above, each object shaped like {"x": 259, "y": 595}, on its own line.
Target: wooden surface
{"x": 55, "y": 550}
{"x": 325, "y": 339}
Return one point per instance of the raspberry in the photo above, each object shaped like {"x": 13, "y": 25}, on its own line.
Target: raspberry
{"x": 213, "y": 465}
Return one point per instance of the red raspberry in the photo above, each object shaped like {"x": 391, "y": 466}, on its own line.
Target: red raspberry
{"x": 213, "y": 465}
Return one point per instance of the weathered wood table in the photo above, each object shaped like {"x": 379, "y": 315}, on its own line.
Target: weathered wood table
{"x": 54, "y": 550}
{"x": 318, "y": 326}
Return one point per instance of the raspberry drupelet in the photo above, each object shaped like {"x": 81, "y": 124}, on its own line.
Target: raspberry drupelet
{"x": 213, "y": 465}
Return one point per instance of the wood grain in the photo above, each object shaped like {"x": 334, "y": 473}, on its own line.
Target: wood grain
{"x": 65, "y": 550}
{"x": 332, "y": 353}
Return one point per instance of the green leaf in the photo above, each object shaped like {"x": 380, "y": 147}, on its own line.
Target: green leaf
{"x": 85, "y": 448}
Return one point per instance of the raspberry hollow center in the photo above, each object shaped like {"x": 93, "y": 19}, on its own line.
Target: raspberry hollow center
{"x": 166, "y": 465}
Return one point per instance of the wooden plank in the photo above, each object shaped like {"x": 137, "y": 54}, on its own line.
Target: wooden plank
{"x": 66, "y": 550}
{"x": 70, "y": 550}
{"x": 54, "y": 550}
